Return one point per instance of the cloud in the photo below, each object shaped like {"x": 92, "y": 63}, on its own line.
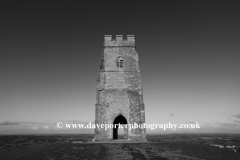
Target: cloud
{"x": 75, "y": 121}
{"x": 236, "y": 115}
{"x": 219, "y": 127}
{"x": 10, "y": 123}
{"x": 19, "y": 123}
{"x": 78, "y": 122}
{"x": 27, "y": 122}
{"x": 43, "y": 123}
{"x": 236, "y": 122}
{"x": 40, "y": 128}
{"x": 229, "y": 125}
{"x": 46, "y": 127}
{"x": 191, "y": 122}
{"x": 34, "y": 128}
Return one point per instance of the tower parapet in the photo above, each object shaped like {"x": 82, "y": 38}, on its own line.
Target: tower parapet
{"x": 119, "y": 41}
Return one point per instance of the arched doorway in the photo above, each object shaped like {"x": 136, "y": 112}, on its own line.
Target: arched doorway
{"x": 120, "y": 120}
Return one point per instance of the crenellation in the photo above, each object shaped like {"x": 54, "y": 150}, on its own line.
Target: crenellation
{"x": 119, "y": 41}
{"x": 130, "y": 37}
{"x": 107, "y": 37}
{"x": 119, "y": 37}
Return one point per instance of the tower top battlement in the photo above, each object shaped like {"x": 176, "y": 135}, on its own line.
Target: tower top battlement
{"x": 119, "y": 41}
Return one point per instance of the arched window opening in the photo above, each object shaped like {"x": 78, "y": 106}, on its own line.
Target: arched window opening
{"x": 120, "y": 62}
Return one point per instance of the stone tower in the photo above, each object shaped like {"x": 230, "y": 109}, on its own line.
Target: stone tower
{"x": 119, "y": 91}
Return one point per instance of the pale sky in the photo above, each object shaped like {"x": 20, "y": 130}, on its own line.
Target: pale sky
{"x": 51, "y": 54}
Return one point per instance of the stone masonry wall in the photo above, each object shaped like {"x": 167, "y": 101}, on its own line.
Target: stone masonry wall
{"x": 119, "y": 90}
